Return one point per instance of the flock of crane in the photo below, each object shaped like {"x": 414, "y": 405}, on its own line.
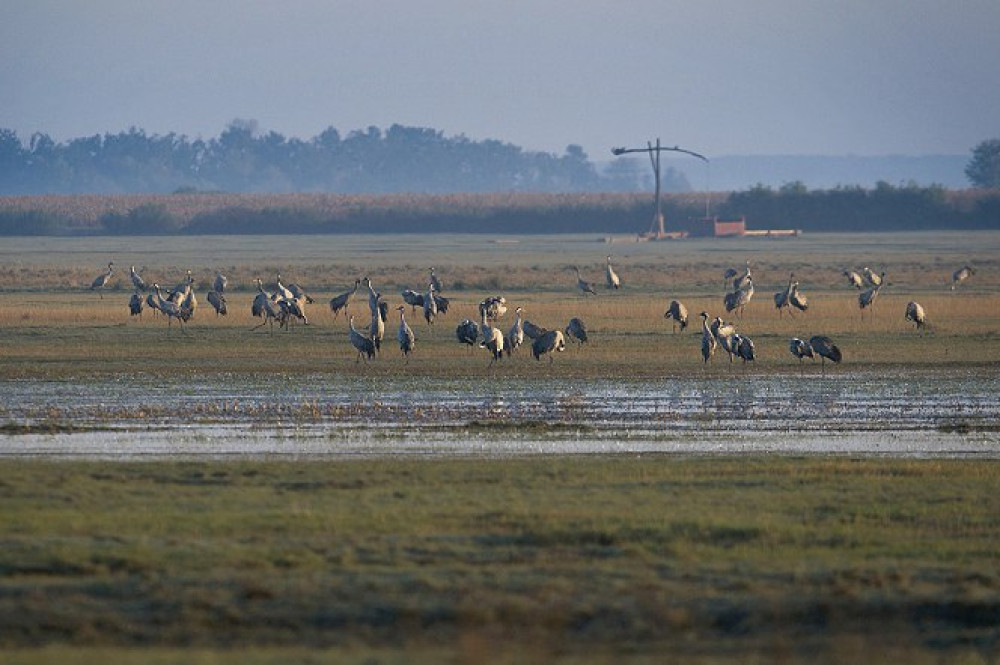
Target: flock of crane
{"x": 288, "y": 303}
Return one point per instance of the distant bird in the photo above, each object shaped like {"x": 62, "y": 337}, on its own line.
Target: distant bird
{"x": 372, "y": 296}
{"x": 299, "y": 293}
{"x": 549, "y": 342}
{"x": 583, "y": 284}
{"x": 221, "y": 282}
{"x": 797, "y": 300}
{"x": 493, "y": 307}
{"x": 515, "y": 338}
{"x": 744, "y": 348}
{"x": 218, "y": 302}
{"x": 577, "y": 330}
{"x": 679, "y": 313}
{"x": 137, "y": 281}
{"x": 781, "y": 297}
{"x": 738, "y": 299}
{"x": 708, "y": 342}
{"x": 960, "y": 276}
{"x": 430, "y": 306}
{"x": 867, "y": 298}
{"x": 492, "y": 340}
{"x": 532, "y": 331}
{"x": 376, "y": 331}
{"x": 290, "y": 309}
{"x": 180, "y": 290}
{"x": 413, "y": 299}
{"x": 264, "y": 306}
{"x": 170, "y": 308}
{"x": 825, "y": 348}
{"x": 404, "y": 335}
{"x": 135, "y": 304}
{"x": 915, "y": 313}
{"x": 740, "y": 281}
{"x": 436, "y": 282}
{"x": 152, "y": 303}
{"x": 612, "y": 277}
{"x": 467, "y": 332}
{"x": 800, "y": 349}
{"x": 282, "y": 290}
{"x": 854, "y": 279}
{"x": 362, "y": 343}
{"x": 871, "y": 277}
{"x": 340, "y": 303}
{"x": 102, "y": 280}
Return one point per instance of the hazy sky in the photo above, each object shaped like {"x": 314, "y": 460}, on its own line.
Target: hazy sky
{"x": 864, "y": 77}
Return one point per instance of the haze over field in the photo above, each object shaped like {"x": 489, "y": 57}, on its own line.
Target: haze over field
{"x": 724, "y": 78}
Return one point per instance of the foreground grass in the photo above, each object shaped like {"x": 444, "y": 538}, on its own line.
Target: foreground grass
{"x": 587, "y": 559}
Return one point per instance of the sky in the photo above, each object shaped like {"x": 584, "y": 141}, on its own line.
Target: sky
{"x": 722, "y": 77}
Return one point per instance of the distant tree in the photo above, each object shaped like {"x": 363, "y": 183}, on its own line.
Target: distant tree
{"x": 984, "y": 167}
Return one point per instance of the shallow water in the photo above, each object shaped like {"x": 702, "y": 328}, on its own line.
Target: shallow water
{"x": 906, "y": 413}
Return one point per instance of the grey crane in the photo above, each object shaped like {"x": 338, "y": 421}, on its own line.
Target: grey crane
{"x": 800, "y": 349}
{"x": 413, "y": 299}
{"x": 103, "y": 279}
{"x": 170, "y": 308}
{"x": 135, "y": 304}
{"x": 177, "y": 293}
{"x": 708, "y": 342}
{"x": 738, "y": 299}
{"x": 221, "y": 282}
{"x": 430, "y": 305}
{"x": 549, "y": 342}
{"x": 339, "y": 303}
{"x": 372, "y": 295}
{"x": 217, "y": 299}
{"x": 871, "y": 277}
{"x": 364, "y": 345}
{"x": 854, "y": 279}
{"x": 467, "y": 332}
{"x": 493, "y": 307}
{"x": 264, "y": 306}
{"x": 436, "y": 282}
{"x": 740, "y": 281}
{"x": 960, "y": 275}
{"x": 515, "y": 338}
{"x": 280, "y": 289}
{"x": 744, "y": 348}
{"x": 725, "y": 336}
{"x": 613, "y": 281}
{"x": 290, "y": 309}
{"x": 492, "y": 340}
{"x": 577, "y": 330}
{"x": 152, "y": 303}
{"x": 915, "y": 313}
{"x": 781, "y": 297}
{"x": 137, "y": 281}
{"x": 404, "y": 335}
{"x": 824, "y": 347}
{"x": 797, "y": 300}
{"x": 582, "y": 284}
{"x": 867, "y": 298}
{"x": 376, "y": 330}
{"x": 679, "y": 313}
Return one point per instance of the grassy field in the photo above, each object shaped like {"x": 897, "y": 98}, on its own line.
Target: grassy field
{"x": 586, "y": 559}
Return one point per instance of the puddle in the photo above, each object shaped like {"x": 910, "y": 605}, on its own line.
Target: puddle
{"x": 862, "y": 413}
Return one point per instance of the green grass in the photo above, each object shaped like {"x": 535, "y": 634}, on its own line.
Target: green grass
{"x": 527, "y": 559}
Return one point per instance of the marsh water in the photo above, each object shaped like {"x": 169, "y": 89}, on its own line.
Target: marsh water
{"x": 897, "y": 412}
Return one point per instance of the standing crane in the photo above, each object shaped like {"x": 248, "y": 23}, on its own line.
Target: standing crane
{"x": 679, "y": 313}
{"x": 854, "y": 279}
{"x": 137, "y": 281}
{"x": 430, "y": 305}
{"x": 102, "y": 280}
{"x": 435, "y": 281}
{"x": 800, "y": 349}
{"x": 612, "y": 277}
{"x": 961, "y": 275}
{"x": 548, "y": 342}
{"x": 340, "y": 303}
{"x": 515, "y": 337}
{"x": 654, "y": 158}
{"x": 825, "y": 348}
{"x": 577, "y": 330}
{"x": 362, "y": 343}
{"x": 404, "y": 335}
{"x": 915, "y": 313}
{"x": 492, "y": 340}
{"x": 708, "y": 342}
{"x": 582, "y": 284}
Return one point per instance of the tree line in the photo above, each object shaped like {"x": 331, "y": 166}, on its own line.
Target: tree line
{"x": 854, "y": 209}
{"x": 244, "y": 159}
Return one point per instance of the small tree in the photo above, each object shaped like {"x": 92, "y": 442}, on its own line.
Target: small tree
{"x": 984, "y": 167}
